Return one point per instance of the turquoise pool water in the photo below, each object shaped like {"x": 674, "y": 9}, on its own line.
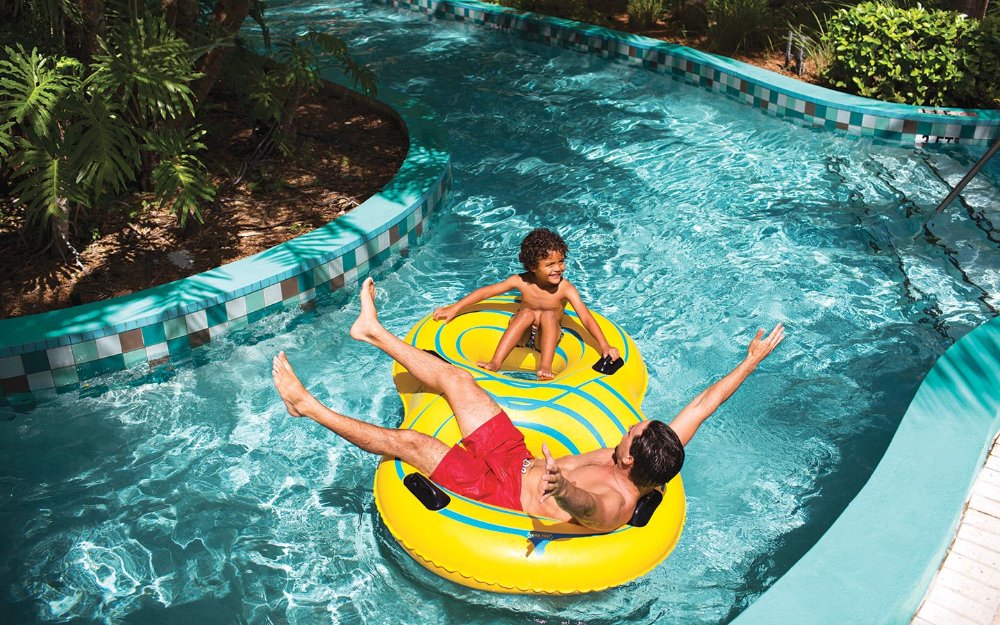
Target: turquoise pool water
{"x": 186, "y": 496}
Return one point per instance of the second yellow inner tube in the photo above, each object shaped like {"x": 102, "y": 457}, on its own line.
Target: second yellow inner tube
{"x": 502, "y": 550}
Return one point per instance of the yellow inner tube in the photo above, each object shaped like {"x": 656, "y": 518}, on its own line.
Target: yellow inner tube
{"x": 501, "y": 550}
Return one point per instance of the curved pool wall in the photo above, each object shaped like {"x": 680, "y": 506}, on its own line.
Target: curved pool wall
{"x": 62, "y": 349}
{"x": 769, "y": 92}
{"x": 875, "y": 563}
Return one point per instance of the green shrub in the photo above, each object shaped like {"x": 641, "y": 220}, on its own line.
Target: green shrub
{"x": 980, "y": 86}
{"x": 911, "y": 55}
{"x": 644, "y": 13}
{"x": 569, "y": 9}
{"x": 736, "y": 25}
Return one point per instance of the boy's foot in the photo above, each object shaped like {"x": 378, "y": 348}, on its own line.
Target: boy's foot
{"x": 289, "y": 387}
{"x": 367, "y": 324}
{"x": 545, "y": 374}
{"x": 489, "y": 366}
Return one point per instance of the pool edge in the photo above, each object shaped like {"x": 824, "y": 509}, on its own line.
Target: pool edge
{"x": 62, "y": 349}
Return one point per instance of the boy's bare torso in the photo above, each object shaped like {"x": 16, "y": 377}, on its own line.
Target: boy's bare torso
{"x": 539, "y": 298}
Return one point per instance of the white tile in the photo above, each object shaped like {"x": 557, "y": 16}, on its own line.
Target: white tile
{"x": 360, "y": 254}
{"x": 952, "y": 130}
{"x": 154, "y": 352}
{"x": 218, "y": 330}
{"x": 867, "y": 121}
{"x": 896, "y": 125}
{"x": 108, "y": 346}
{"x": 40, "y": 381}
{"x": 985, "y": 522}
{"x": 196, "y": 321}
{"x": 60, "y": 357}
{"x": 782, "y": 100}
{"x": 943, "y": 615}
{"x": 307, "y": 296}
{"x": 969, "y": 550}
{"x": 336, "y": 266}
{"x": 970, "y": 587}
{"x": 982, "y": 132}
{"x": 986, "y": 499}
{"x": 844, "y": 117}
{"x": 350, "y": 277}
{"x": 11, "y": 367}
{"x": 236, "y": 308}
{"x": 987, "y": 540}
{"x": 800, "y": 105}
{"x": 272, "y": 294}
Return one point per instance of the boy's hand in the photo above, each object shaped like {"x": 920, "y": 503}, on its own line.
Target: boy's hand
{"x": 612, "y": 353}
{"x": 444, "y": 313}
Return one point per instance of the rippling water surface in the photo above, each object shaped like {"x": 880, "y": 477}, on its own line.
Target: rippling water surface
{"x": 187, "y": 496}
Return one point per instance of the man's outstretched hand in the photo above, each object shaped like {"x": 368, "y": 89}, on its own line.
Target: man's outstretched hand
{"x": 553, "y": 482}
{"x": 761, "y": 347}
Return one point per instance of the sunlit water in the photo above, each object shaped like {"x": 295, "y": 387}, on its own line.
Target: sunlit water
{"x": 187, "y": 495}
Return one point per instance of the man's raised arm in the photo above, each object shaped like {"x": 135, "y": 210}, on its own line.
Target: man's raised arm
{"x": 687, "y": 421}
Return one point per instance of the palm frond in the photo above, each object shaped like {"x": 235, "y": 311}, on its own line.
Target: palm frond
{"x": 32, "y": 87}
{"x": 180, "y": 178}
{"x": 46, "y": 179}
{"x": 151, "y": 66}
{"x": 104, "y": 146}
{"x": 6, "y": 140}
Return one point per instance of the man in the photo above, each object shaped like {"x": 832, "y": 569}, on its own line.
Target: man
{"x": 598, "y": 489}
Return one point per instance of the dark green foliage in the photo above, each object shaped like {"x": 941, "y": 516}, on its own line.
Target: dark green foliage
{"x": 912, "y": 55}
{"x": 980, "y": 85}
{"x": 570, "y": 9}
{"x": 736, "y": 25}
{"x": 644, "y": 13}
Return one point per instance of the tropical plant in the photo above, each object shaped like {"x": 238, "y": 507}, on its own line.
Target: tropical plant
{"x": 980, "y": 86}
{"x": 644, "y": 13}
{"x": 736, "y": 25}
{"x": 911, "y": 55}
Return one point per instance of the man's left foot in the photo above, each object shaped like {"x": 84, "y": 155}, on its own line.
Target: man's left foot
{"x": 289, "y": 387}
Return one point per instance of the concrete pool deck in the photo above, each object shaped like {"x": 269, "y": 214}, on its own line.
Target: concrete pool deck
{"x": 966, "y": 590}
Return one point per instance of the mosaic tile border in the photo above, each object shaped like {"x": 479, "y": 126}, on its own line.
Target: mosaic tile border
{"x": 62, "y": 349}
{"x": 769, "y": 92}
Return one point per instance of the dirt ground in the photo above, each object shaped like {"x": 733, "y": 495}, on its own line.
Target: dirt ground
{"x": 346, "y": 153}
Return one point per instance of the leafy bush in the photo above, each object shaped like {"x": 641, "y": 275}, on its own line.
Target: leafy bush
{"x": 980, "y": 86}
{"x": 570, "y": 9}
{"x": 644, "y": 13}
{"x": 736, "y": 25}
{"x": 911, "y": 55}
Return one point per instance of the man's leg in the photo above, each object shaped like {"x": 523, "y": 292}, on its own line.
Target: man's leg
{"x": 472, "y": 405}
{"x": 420, "y": 451}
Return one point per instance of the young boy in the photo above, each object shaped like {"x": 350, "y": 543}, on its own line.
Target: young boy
{"x": 544, "y": 293}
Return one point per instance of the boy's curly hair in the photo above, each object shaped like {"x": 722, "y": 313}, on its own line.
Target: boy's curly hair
{"x": 539, "y": 243}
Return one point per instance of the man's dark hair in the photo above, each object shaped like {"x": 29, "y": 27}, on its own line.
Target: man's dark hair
{"x": 657, "y": 454}
{"x": 539, "y": 243}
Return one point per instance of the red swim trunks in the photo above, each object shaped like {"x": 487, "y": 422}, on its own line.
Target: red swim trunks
{"x": 488, "y": 467}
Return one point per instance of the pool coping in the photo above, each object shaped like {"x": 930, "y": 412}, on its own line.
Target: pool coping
{"x": 876, "y": 562}
{"x": 61, "y": 349}
{"x": 770, "y": 92}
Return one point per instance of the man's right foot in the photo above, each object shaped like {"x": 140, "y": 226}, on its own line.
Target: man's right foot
{"x": 367, "y": 324}
{"x": 289, "y": 387}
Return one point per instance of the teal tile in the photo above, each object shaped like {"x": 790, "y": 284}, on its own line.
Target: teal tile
{"x": 84, "y": 352}
{"x": 35, "y": 362}
{"x": 237, "y": 324}
{"x": 255, "y": 316}
{"x": 96, "y": 368}
{"x": 216, "y": 314}
{"x": 820, "y": 112}
{"x": 856, "y": 119}
{"x": 967, "y": 132}
{"x": 350, "y": 260}
{"x": 178, "y": 346}
{"x": 305, "y": 281}
{"x": 923, "y": 128}
{"x": 153, "y": 334}
{"x": 881, "y": 123}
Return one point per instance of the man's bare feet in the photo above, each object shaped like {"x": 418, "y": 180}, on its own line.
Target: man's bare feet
{"x": 367, "y": 323}
{"x": 545, "y": 374}
{"x": 489, "y": 366}
{"x": 289, "y": 387}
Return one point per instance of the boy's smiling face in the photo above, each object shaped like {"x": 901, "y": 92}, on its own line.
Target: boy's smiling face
{"x": 550, "y": 269}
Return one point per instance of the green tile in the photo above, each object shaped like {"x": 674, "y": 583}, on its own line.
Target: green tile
{"x": 305, "y": 281}
{"x": 856, "y": 119}
{"x": 64, "y": 376}
{"x": 255, "y": 301}
{"x": 321, "y": 274}
{"x": 820, "y": 112}
{"x": 178, "y": 346}
{"x": 174, "y": 328}
{"x": 238, "y": 323}
{"x": 85, "y": 352}
{"x": 881, "y": 123}
{"x": 153, "y": 334}
{"x": 134, "y": 357}
{"x": 350, "y": 260}
{"x": 924, "y": 128}
{"x": 255, "y": 316}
